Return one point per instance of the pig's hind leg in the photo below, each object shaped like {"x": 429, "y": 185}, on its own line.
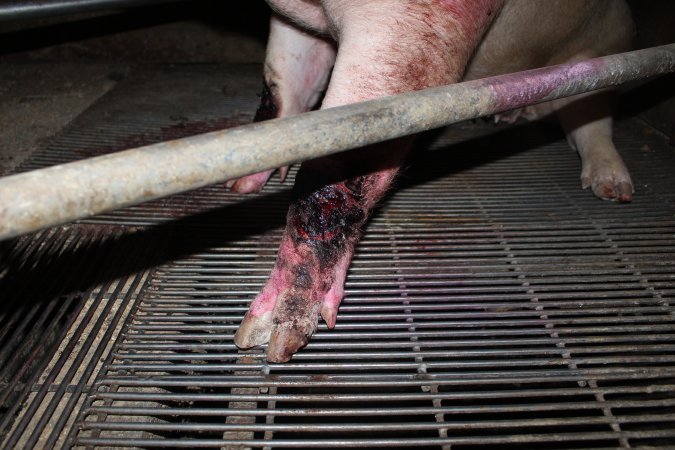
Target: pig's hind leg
{"x": 587, "y": 121}
{"x": 408, "y": 49}
{"x": 296, "y": 71}
{"x": 323, "y": 227}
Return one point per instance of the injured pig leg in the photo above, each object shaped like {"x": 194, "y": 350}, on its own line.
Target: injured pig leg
{"x": 323, "y": 227}
{"x": 411, "y": 48}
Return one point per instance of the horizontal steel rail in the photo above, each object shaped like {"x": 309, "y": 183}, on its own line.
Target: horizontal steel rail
{"x": 59, "y": 194}
{"x": 14, "y": 10}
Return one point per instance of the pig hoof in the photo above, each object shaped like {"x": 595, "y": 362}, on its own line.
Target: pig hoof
{"x": 329, "y": 315}
{"x": 621, "y": 192}
{"x": 512, "y": 116}
{"x": 287, "y": 328}
{"x": 284, "y": 343}
{"x": 609, "y": 183}
{"x": 508, "y": 116}
{"x": 251, "y": 184}
{"x": 296, "y": 317}
{"x": 253, "y": 331}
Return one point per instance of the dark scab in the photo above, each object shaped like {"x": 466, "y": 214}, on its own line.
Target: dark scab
{"x": 302, "y": 277}
{"x": 356, "y": 186}
{"x": 326, "y": 217}
{"x": 293, "y": 307}
{"x": 268, "y": 108}
{"x": 327, "y": 252}
{"x": 326, "y": 213}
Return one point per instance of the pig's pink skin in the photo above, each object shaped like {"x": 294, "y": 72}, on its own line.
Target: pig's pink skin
{"x": 306, "y": 14}
{"x": 251, "y": 183}
{"x": 416, "y": 45}
{"x": 336, "y": 293}
{"x": 510, "y": 94}
{"x": 471, "y": 15}
{"x": 281, "y": 278}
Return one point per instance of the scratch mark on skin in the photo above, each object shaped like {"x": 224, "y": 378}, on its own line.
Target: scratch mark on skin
{"x": 303, "y": 279}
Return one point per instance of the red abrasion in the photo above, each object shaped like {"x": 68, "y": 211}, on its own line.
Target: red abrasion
{"x": 472, "y": 15}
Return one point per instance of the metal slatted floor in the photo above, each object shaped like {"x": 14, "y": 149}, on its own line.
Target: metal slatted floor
{"x": 492, "y": 302}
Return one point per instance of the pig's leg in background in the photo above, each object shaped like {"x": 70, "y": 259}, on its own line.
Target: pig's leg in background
{"x": 587, "y": 121}
{"x": 587, "y": 118}
{"x": 296, "y": 72}
{"x": 385, "y": 47}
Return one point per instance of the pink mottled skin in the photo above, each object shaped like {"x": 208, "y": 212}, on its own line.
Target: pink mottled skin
{"x": 374, "y": 48}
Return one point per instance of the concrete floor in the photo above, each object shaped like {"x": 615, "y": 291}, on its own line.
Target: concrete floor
{"x": 52, "y": 69}
{"x": 38, "y": 99}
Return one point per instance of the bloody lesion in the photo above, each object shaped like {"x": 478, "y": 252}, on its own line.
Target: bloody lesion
{"x": 268, "y": 107}
{"x": 331, "y": 216}
{"x": 326, "y": 217}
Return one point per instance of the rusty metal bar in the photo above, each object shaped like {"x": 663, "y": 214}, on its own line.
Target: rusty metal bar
{"x": 27, "y": 9}
{"x": 59, "y": 194}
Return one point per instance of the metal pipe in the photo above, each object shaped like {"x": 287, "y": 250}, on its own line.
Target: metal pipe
{"x": 27, "y": 9}
{"x": 59, "y": 194}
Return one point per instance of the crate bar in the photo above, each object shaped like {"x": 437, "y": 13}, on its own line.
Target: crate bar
{"x": 59, "y": 194}
{"x": 29, "y": 9}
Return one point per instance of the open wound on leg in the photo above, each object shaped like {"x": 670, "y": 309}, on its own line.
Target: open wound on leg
{"x": 324, "y": 223}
